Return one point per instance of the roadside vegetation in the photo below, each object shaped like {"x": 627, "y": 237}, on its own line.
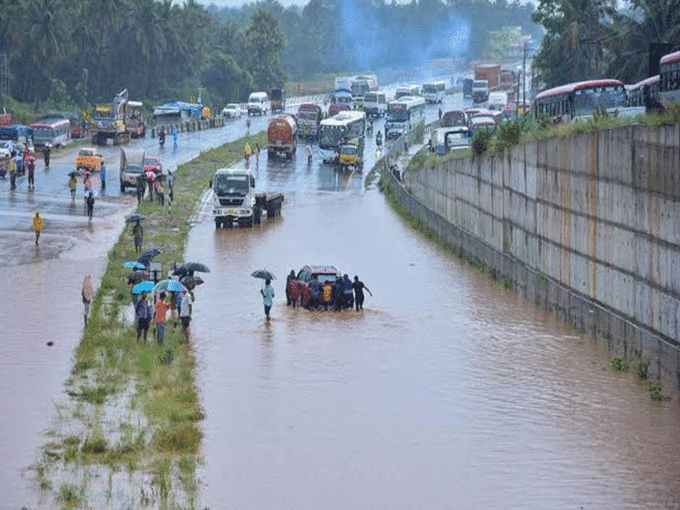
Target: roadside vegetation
{"x": 134, "y": 406}
{"x": 640, "y": 367}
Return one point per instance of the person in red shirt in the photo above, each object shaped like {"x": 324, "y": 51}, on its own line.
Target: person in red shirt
{"x": 160, "y": 315}
{"x": 293, "y": 291}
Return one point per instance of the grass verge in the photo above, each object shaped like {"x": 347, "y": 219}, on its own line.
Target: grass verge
{"x": 132, "y": 404}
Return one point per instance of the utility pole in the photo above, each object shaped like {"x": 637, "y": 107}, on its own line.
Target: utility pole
{"x": 524, "y": 76}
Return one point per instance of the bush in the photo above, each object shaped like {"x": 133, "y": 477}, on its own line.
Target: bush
{"x": 620, "y": 364}
{"x": 481, "y": 141}
{"x": 641, "y": 367}
{"x": 509, "y": 134}
{"x": 418, "y": 133}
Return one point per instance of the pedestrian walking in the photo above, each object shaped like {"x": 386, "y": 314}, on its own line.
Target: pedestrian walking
{"x": 440, "y": 113}
{"x": 143, "y": 316}
{"x": 359, "y": 287}
{"x": 46, "y": 154}
{"x": 247, "y": 151}
{"x": 87, "y": 294}
{"x": 37, "y": 226}
{"x": 150, "y": 179}
{"x": 30, "y": 166}
{"x": 12, "y": 171}
{"x": 102, "y": 175}
{"x": 138, "y": 236}
{"x": 160, "y": 193}
{"x": 348, "y": 295}
{"x": 89, "y": 201}
{"x": 73, "y": 185}
{"x": 160, "y": 315}
{"x": 141, "y": 186}
{"x": 185, "y": 312}
{"x": 267, "y": 296}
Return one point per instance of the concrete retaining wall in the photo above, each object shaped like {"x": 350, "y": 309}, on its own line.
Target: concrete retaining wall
{"x": 584, "y": 225}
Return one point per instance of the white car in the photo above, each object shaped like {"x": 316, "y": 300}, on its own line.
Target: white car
{"x": 232, "y": 110}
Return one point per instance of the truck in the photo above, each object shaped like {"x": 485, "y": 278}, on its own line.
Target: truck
{"x": 489, "y": 72}
{"x": 135, "y": 124}
{"x": 235, "y": 199}
{"x": 309, "y": 117}
{"x": 282, "y": 136}
{"x": 109, "y": 121}
{"x": 343, "y": 82}
{"x": 277, "y": 99}
{"x": 131, "y": 168}
{"x": 361, "y": 85}
{"x": 480, "y": 91}
{"x": 351, "y": 154}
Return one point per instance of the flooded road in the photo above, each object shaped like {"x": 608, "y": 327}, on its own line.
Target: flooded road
{"x": 446, "y": 392}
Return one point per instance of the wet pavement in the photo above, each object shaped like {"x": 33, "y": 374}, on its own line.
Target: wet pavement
{"x": 447, "y": 391}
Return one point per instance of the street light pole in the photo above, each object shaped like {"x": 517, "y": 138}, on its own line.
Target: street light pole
{"x": 524, "y": 77}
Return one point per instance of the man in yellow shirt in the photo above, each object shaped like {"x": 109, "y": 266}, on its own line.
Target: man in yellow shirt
{"x": 37, "y": 226}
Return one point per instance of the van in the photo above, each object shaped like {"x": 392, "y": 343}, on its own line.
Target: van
{"x": 375, "y": 103}
{"x": 258, "y": 102}
{"x": 131, "y": 168}
{"x": 480, "y": 91}
{"x": 498, "y": 100}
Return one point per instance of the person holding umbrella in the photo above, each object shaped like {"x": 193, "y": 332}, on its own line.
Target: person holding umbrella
{"x": 143, "y": 316}
{"x": 89, "y": 201}
{"x": 267, "y": 296}
{"x": 73, "y": 184}
{"x": 160, "y": 315}
{"x": 185, "y": 312}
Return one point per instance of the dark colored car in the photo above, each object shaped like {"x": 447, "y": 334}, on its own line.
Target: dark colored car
{"x": 323, "y": 274}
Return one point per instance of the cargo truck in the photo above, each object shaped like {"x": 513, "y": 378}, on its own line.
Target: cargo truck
{"x": 131, "y": 168}
{"x": 109, "y": 121}
{"x": 277, "y": 99}
{"x": 488, "y": 72}
{"x": 309, "y": 117}
{"x": 235, "y": 199}
{"x": 282, "y": 136}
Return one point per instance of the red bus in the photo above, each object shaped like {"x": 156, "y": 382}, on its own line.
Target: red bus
{"x": 578, "y": 101}
{"x": 669, "y": 82}
{"x": 53, "y": 131}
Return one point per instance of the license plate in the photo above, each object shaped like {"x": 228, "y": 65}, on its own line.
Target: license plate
{"x": 230, "y": 211}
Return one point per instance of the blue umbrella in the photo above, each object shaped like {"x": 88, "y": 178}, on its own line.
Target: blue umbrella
{"x": 171, "y": 285}
{"x": 136, "y": 265}
{"x": 145, "y": 286}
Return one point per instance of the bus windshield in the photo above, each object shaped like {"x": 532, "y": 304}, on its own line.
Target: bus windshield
{"x": 587, "y": 100}
{"x": 331, "y": 135}
{"x": 231, "y": 184}
{"x": 429, "y": 87}
{"x": 397, "y": 113}
{"x": 42, "y": 133}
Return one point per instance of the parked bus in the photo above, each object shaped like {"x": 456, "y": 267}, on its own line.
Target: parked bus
{"x": 406, "y": 90}
{"x": 578, "y": 101}
{"x": 17, "y": 133}
{"x": 402, "y": 115}
{"x": 433, "y": 92}
{"x": 336, "y": 130}
{"x": 636, "y": 93}
{"x": 56, "y": 132}
{"x": 669, "y": 78}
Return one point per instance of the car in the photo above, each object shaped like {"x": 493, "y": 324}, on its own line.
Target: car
{"x": 89, "y": 158}
{"x": 153, "y": 164}
{"x": 323, "y": 274}
{"x": 232, "y": 110}
{"x": 7, "y": 146}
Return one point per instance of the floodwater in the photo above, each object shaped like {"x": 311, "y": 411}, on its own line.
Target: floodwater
{"x": 448, "y": 391}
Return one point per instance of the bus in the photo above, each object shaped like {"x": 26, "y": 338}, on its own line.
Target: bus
{"x": 335, "y": 131}
{"x": 433, "y": 92}
{"x": 636, "y": 93}
{"x": 407, "y": 90}
{"x": 580, "y": 101}
{"x": 669, "y": 78}
{"x": 402, "y": 115}
{"x": 54, "y": 131}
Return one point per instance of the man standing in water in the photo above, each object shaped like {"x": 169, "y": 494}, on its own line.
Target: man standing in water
{"x": 359, "y": 293}
{"x": 37, "y": 226}
{"x": 267, "y": 296}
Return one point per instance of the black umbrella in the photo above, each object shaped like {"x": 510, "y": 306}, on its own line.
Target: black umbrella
{"x": 134, "y": 217}
{"x": 188, "y": 268}
{"x": 191, "y": 281}
{"x": 137, "y": 277}
{"x": 145, "y": 257}
{"x": 263, "y": 273}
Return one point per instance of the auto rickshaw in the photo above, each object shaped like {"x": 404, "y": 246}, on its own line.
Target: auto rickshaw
{"x": 351, "y": 154}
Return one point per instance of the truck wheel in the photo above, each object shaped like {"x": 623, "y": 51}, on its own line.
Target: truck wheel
{"x": 218, "y": 223}
{"x": 122, "y": 187}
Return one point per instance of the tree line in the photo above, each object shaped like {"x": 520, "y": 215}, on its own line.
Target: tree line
{"x": 79, "y": 53}
{"x": 587, "y": 39}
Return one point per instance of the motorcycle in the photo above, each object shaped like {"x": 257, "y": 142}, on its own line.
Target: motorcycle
{"x": 378, "y": 139}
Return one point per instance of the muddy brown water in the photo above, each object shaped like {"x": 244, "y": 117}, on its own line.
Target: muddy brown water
{"x": 448, "y": 391}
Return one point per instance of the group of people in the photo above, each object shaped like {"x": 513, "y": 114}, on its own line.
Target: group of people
{"x": 179, "y": 304}
{"x": 337, "y": 295}
{"x": 19, "y": 164}
{"x": 175, "y": 136}
{"x": 154, "y": 184}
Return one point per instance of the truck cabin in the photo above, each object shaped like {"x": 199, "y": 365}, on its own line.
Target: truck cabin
{"x": 229, "y": 183}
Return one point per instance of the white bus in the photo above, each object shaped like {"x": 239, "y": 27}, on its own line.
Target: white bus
{"x": 336, "y": 130}
{"x": 407, "y": 90}
{"x": 433, "y": 92}
{"x": 403, "y": 114}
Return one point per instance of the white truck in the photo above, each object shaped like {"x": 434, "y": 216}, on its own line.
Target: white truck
{"x": 131, "y": 168}
{"x": 235, "y": 199}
